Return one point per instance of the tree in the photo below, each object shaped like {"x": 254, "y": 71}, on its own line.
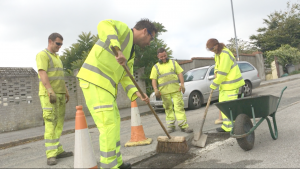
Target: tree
{"x": 244, "y": 47}
{"x": 74, "y": 57}
{"x": 282, "y": 27}
{"x": 285, "y": 54}
{"x": 147, "y": 57}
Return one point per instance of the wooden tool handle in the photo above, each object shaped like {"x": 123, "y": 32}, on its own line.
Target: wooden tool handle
{"x": 141, "y": 92}
{"x": 206, "y": 109}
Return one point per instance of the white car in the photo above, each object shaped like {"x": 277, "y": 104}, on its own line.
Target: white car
{"x": 198, "y": 80}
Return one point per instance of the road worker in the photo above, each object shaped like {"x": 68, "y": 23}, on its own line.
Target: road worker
{"x": 228, "y": 77}
{"x": 100, "y": 75}
{"x": 53, "y": 96}
{"x": 166, "y": 73}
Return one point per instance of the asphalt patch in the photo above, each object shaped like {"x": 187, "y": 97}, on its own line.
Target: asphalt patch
{"x": 163, "y": 160}
{"x": 169, "y": 160}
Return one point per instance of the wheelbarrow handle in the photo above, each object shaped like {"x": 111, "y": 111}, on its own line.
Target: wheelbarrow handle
{"x": 280, "y": 97}
{"x": 142, "y": 93}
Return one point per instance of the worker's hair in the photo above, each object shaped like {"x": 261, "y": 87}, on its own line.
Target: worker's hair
{"x": 145, "y": 23}
{"x": 53, "y": 36}
{"x": 161, "y": 50}
{"x": 213, "y": 42}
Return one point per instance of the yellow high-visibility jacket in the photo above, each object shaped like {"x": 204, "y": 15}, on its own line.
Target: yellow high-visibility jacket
{"x": 51, "y": 63}
{"x": 167, "y": 76}
{"x": 229, "y": 76}
{"x": 101, "y": 68}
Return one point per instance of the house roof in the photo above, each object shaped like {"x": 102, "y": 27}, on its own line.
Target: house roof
{"x": 17, "y": 71}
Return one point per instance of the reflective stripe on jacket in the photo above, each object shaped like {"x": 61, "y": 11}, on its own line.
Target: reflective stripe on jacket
{"x": 229, "y": 76}
{"x": 55, "y": 74}
{"x": 101, "y": 68}
{"x": 168, "y": 82}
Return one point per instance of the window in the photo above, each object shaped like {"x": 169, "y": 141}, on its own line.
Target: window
{"x": 193, "y": 75}
{"x": 245, "y": 67}
{"x": 211, "y": 71}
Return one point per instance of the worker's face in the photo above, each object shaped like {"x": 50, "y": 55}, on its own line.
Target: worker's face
{"x": 212, "y": 48}
{"x": 55, "y": 45}
{"x": 162, "y": 56}
{"x": 146, "y": 38}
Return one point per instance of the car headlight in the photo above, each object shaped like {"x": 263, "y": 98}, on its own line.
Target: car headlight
{"x": 152, "y": 97}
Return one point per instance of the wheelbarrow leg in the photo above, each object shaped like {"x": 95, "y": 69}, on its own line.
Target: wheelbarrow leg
{"x": 274, "y": 135}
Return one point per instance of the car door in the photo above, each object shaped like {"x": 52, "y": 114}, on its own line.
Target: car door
{"x": 210, "y": 79}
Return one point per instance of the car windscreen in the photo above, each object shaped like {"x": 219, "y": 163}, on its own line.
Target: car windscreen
{"x": 193, "y": 75}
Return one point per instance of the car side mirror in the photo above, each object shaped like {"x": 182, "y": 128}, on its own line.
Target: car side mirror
{"x": 211, "y": 77}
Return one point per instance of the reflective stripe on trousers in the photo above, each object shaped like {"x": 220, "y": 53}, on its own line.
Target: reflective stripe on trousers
{"x": 226, "y": 95}
{"x": 53, "y": 115}
{"x": 105, "y": 113}
{"x": 179, "y": 111}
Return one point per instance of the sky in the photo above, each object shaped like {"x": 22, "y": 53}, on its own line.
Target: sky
{"x": 26, "y": 24}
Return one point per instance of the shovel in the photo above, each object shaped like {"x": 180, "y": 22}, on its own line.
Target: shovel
{"x": 200, "y": 138}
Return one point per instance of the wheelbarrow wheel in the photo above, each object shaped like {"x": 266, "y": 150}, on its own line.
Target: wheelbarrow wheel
{"x": 243, "y": 125}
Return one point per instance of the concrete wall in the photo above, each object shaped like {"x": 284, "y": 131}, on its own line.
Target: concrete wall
{"x": 297, "y": 67}
{"x": 259, "y": 65}
{"x": 187, "y": 66}
{"x": 19, "y": 103}
{"x": 20, "y": 106}
{"x": 204, "y": 62}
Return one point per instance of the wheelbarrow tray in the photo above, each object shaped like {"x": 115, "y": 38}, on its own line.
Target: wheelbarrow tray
{"x": 263, "y": 106}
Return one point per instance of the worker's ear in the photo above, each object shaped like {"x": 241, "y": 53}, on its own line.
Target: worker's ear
{"x": 49, "y": 41}
{"x": 145, "y": 31}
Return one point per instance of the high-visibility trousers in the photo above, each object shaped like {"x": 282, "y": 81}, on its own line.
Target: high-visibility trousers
{"x": 104, "y": 110}
{"x": 179, "y": 111}
{"x": 225, "y": 95}
{"x": 54, "y": 116}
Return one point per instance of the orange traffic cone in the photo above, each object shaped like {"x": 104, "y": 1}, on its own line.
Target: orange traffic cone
{"x": 138, "y": 137}
{"x": 84, "y": 156}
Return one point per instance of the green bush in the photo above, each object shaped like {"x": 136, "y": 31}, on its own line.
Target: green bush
{"x": 285, "y": 54}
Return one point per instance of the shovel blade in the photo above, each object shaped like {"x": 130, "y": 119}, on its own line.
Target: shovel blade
{"x": 201, "y": 141}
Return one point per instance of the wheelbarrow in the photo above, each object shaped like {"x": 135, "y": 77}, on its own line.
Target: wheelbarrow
{"x": 241, "y": 111}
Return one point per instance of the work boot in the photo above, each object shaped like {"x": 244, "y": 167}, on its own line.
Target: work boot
{"x": 125, "y": 165}
{"x": 219, "y": 129}
{"x": 171, "y": 130}
{"x": 187, "y": 130}
{"x": 65, "y": 154}
{"x": 219, "y": 121}
{"x": 51, "y": 161}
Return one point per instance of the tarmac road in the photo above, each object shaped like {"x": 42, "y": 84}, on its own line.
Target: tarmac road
{"x": 32, "y": 155}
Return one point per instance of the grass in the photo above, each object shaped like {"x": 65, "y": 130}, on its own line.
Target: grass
{"x": 295, "y": 72}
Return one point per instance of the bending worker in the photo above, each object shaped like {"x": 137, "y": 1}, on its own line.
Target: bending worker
{"x": 229, "y": 78}
{"x": 54, "y": 96}
{"x": 100, "y": 75}
{"x": 166, "y": 73}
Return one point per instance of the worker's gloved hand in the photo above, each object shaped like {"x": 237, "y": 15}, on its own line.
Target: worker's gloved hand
{"x": 213, "y": 87}
{"x": 67, "y": 96}
{"x": 182, "y": 89}
{"x": 145, "y": 98}
{"x": 157, "y": 93}
{"x": 119, "y": 55}
{"x": 52, "y": 96}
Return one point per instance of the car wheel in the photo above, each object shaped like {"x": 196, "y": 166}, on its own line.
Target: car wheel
{"x": 247, "y": 89}
{"x": 195, "y": 100}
